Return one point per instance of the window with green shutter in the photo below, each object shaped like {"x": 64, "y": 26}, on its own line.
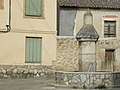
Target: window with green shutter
{"x": 33, "y": 50}
{"x": 33, "y": 7}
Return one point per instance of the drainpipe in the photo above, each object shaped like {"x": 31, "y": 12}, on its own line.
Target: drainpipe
{"x": 8, "y": 24}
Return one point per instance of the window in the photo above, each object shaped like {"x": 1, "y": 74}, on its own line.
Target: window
{"x": 109, "y": 59}
{"x": 33, "y": 7}
{"x": 66, "y": 22}
{"x": 109, "y": 28}
{"x": 33, "y": 49}
{"x": 1, "y": 4}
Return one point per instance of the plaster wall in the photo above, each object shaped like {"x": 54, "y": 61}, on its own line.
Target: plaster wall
{"x": 45, "y": 23}
{"x": 20, "y": 22}
{"x": 12, "y": 47}
{"x": 4, "y": 16}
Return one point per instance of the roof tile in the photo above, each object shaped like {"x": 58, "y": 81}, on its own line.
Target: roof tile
{"x": 112, "y": 4}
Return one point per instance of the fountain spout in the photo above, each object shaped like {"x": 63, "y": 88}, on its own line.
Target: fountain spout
{"x": 91, "y": 67}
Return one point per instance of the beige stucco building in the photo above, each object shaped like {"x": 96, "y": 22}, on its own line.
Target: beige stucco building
{"x": 24, "y": 28}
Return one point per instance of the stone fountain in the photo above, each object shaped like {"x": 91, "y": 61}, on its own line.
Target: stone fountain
{"x": 87, "y": 77}
{"x": 87, "y": 38}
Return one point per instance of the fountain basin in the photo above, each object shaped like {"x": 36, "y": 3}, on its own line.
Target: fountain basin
{"x": 88, "y": 79}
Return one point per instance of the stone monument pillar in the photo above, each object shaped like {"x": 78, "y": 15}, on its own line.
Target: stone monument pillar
{"x": 87, "y": 37}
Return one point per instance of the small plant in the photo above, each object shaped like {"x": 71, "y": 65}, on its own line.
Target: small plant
{"x": 84, "y": 86}
{"x": 75, "y": 87}
{"x": 100, "y": 87}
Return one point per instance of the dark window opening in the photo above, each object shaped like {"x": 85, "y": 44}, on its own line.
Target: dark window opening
{"x": 109, "y": 29}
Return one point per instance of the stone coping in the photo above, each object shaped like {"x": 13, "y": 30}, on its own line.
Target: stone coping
{"x": 101, "y": 72}
{"x": 88, "y": 79}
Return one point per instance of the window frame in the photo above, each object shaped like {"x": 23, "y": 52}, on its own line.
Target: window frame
{"x": 109, "y": 63}
{"x": 108, "y": 34}
{"x": 34, "y": 17}
{"x": 26, "y": 59}
{"x": 59, "y": 30}
{"x": 2, "y": 5}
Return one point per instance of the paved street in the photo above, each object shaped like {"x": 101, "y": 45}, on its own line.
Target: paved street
{"x": 25, "y": 84}
{"x": 31, "y": 84}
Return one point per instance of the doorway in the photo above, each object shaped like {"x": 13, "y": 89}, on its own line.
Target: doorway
{"x": 109, "y": 59}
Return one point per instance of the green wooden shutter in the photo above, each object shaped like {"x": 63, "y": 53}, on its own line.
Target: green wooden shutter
{"x": 30, "y": 49}
{"x": 39, "y": 13}
{"x": 38, "y": 51}
{"x": 27, "y": 7}
{"x": 27, "y": 54}
{"x": 33, "y": 7}
{"x": 33, "y": 49}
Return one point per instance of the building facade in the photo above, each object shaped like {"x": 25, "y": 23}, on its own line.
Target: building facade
{"x": 105, "y": 20}
{"x": 32, "y": 28}
{"x": 27, "y": 33}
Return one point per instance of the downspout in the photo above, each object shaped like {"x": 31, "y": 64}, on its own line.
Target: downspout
{"x": 8, "y": 25}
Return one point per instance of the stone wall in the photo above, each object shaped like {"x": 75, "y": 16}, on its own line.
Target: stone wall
{"x": 67, "y": 54}
{"x": 101, "y": 46}
{"x": 25, "y": 71}
{"x": 68, "y": 49}
{"x": 88, "y": 79}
